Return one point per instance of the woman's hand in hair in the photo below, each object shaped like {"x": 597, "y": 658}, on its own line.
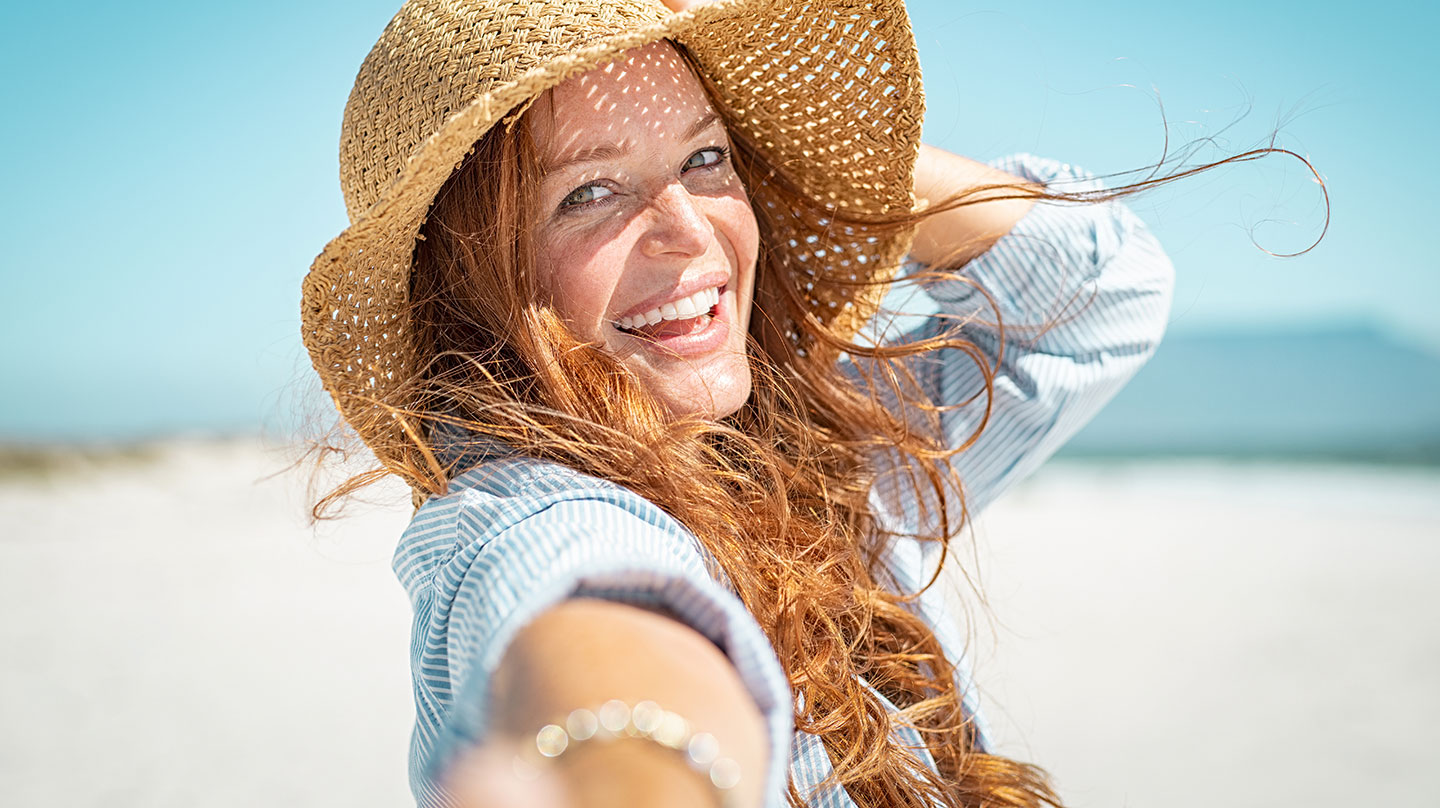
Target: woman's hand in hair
{"x": 956, "y": 234}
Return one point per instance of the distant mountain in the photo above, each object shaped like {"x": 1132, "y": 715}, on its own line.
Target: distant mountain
{"x": 1351, "y": 392}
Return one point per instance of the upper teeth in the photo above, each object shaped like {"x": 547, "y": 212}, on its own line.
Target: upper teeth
{"x": 692, "y": 306}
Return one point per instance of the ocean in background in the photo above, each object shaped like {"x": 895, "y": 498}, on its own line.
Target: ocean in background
{"x": 1339, "y": 393}
{"x": 1352, "y": 392}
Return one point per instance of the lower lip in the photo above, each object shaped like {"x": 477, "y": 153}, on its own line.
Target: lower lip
{"x": 696, "y": 343}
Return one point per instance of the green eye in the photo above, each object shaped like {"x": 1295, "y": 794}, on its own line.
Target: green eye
{"x": 586, "y": 194}
{"x": 705, "y": 158}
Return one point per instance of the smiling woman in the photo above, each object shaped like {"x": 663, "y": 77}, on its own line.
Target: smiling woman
{"x": 599, "y": 306}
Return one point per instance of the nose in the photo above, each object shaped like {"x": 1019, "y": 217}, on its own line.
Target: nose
{"x": 677, "y": 225}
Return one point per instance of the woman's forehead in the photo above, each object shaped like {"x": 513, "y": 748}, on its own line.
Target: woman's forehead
{"x": 650, "y": 93}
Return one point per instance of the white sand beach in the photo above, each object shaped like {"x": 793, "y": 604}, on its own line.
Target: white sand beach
{"x": 1164, "y": 634}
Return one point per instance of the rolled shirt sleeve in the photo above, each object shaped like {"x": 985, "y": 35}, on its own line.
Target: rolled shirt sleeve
{"x": 1083, "y": 292}
{"x": 516, "y": 537}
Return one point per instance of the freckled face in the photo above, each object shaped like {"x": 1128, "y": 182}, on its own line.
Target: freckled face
{"x": 645, "y": 240}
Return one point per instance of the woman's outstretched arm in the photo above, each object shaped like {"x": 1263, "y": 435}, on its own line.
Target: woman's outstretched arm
{"x": 582, "y": 653}
{"x": 539, "y": 591}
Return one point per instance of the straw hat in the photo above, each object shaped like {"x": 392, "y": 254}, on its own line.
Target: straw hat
{"x": 829, "y": 89}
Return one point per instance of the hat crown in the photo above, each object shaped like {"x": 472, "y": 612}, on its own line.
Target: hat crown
{"x": 437, "y": 57}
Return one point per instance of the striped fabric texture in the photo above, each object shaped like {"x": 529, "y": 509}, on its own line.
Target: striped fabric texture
{"x": 1083, "y": 292}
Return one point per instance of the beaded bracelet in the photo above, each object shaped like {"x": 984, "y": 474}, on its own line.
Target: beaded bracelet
{"x": 646, "y": 721}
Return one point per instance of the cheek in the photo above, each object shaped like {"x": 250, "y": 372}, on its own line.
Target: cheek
{"x": 736, "y": 219}
{"x": 753, "y": 232}
{"x": 576, "y": 273}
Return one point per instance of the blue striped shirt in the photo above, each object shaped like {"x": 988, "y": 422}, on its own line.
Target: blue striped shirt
{"x": 1083, "y": 291}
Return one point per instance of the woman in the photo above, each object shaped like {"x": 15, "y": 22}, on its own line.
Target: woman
{"x": 604, "y": 303}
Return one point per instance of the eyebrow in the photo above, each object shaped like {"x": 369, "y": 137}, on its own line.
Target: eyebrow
{"x": 595, "y": 154}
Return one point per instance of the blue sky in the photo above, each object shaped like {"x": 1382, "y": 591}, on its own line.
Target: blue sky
{"x": 172, "y": 172}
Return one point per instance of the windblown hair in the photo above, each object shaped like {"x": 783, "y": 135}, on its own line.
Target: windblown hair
{"x": 778, "y": 493}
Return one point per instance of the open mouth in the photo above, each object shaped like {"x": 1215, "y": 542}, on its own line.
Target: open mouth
{"x": 687, "y": 316}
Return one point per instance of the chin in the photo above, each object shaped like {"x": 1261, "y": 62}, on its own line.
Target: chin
{"x": 711, "y": 402}
{"x": 729, "y": 408}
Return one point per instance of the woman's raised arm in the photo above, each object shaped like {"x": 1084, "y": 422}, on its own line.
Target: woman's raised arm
{"x": 1082, "y": 291}
{"x": 952, "y": 238}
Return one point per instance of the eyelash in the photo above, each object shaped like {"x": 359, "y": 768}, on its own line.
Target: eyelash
{"x": 576, "y": 206}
